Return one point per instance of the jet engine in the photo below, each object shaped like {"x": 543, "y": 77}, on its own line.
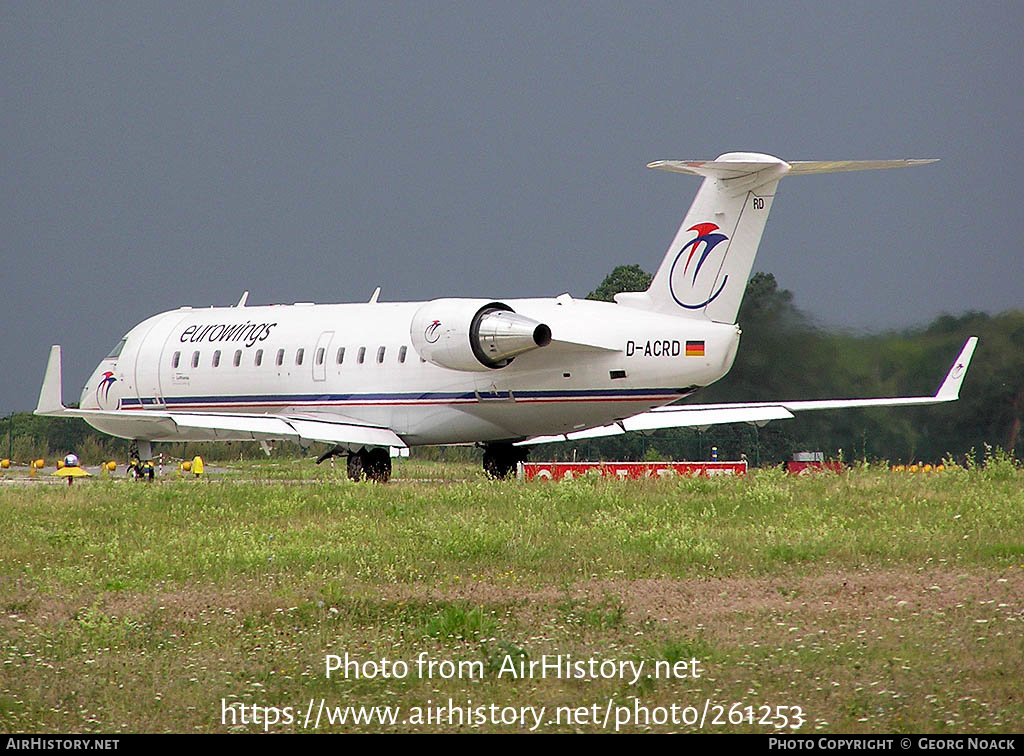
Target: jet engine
{"x": 474, "y": 334}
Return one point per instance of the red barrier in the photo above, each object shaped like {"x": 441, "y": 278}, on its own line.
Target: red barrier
{"x": 623, "y": 470}
{"x": 806, "y": 468}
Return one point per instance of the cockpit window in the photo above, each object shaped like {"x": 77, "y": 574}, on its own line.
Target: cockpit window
{"x": 116, "y": 351}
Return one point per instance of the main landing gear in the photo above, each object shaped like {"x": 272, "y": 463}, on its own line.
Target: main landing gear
{"x": 500, "y": 460}
{"x": 371, "y": 464}
{"x": 365, "y": 464}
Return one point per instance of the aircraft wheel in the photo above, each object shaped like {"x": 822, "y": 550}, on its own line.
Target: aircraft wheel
{"x": 500, "y": 460}
{"x": 378, "y": 465}
{"x": 370, "y": 464}
{"x": 356, "y": 466}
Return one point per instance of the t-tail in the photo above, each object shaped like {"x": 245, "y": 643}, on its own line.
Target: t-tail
{"x": 705, "y": 271}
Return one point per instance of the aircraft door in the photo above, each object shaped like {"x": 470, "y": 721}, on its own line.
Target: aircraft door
{"x": 323, "y": 347}
{"x": 151, "y": 361}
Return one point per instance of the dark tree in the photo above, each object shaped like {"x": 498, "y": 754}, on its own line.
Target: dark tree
{"x": 623, "y": 278}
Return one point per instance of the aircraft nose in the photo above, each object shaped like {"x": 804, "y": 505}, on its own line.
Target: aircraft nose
{"x": 87, "y": 400}
{"x": 100, "y": 391}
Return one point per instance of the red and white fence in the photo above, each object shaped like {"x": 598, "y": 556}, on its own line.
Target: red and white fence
{"x": 627, "y": 470}
{"x": 806, "y": 468}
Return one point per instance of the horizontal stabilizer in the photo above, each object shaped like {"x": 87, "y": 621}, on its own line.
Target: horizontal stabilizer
{"x": 730, "y": 169}
{"x": 842, "y": 166}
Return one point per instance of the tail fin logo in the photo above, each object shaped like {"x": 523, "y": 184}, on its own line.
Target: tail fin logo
{"x": 103, "y": 388}
{"x": 682, "y": 284}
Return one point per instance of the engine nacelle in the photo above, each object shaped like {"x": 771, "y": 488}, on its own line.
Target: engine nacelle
{"x": 474, "y": 334}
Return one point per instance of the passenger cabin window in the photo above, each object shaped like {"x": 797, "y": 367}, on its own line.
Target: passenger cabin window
{"x": 216, "y": 358}
{"x": 175, "y": 359}
{"x": 116, "y": 351}
{"x": 320, "y": 356}
{"x": 238, "y": 357}
{"x": 380, "y": 356}
{"x": 341, "y": 355}
{"x": 401, "y": 354}
{"x": 259, "y": 357}
{"x": 280, "y": 357}
{"x": 195, "y": 359}
{"x": 362, "y": 355}
{"x": 298, "y": 356}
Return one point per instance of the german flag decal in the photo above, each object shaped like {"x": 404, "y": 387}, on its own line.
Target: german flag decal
{"x": 694, "y": 348}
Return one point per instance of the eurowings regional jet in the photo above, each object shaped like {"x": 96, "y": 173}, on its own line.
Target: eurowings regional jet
{"x": 506, "y": 374}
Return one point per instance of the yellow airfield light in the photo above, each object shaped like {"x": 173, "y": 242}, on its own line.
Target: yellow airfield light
{"x": 71, "y": 472}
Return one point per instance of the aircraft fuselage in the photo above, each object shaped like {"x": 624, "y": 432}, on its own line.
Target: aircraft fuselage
{"x": 359, "y": 361}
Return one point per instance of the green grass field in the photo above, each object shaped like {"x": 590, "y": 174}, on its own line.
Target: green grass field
{"x": 874, "y": 601}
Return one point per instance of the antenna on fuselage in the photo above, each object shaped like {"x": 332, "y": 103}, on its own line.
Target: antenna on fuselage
{"x": 373, "y": 297}
{"x": 241, "y": 300}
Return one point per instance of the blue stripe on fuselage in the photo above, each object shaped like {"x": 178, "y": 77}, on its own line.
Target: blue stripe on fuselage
{"x": 430, "y": 396}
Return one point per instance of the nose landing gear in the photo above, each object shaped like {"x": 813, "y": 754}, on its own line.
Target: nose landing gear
{"x": 140, "y": 460}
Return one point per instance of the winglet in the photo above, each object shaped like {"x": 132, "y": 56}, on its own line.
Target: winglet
{"x": 51, "y": 400}
{"x": 950, "y": 388}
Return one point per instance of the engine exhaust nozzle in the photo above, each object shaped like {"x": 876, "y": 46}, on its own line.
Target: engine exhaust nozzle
{"x": 499, "y": 335}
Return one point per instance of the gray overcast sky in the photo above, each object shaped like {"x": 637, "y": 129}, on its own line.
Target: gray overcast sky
{"x": 161, "y": 154}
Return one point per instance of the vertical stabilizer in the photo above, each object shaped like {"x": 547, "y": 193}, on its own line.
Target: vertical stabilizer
{"x": 705, "y": 271}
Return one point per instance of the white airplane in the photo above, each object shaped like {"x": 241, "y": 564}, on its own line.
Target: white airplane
{"x": 506, "y": 374}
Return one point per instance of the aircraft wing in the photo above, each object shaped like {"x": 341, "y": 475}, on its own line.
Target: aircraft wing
{"x": 241, "y": 427}
{"x": 759, "y": 413}
{"x": 163, "y": 425}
